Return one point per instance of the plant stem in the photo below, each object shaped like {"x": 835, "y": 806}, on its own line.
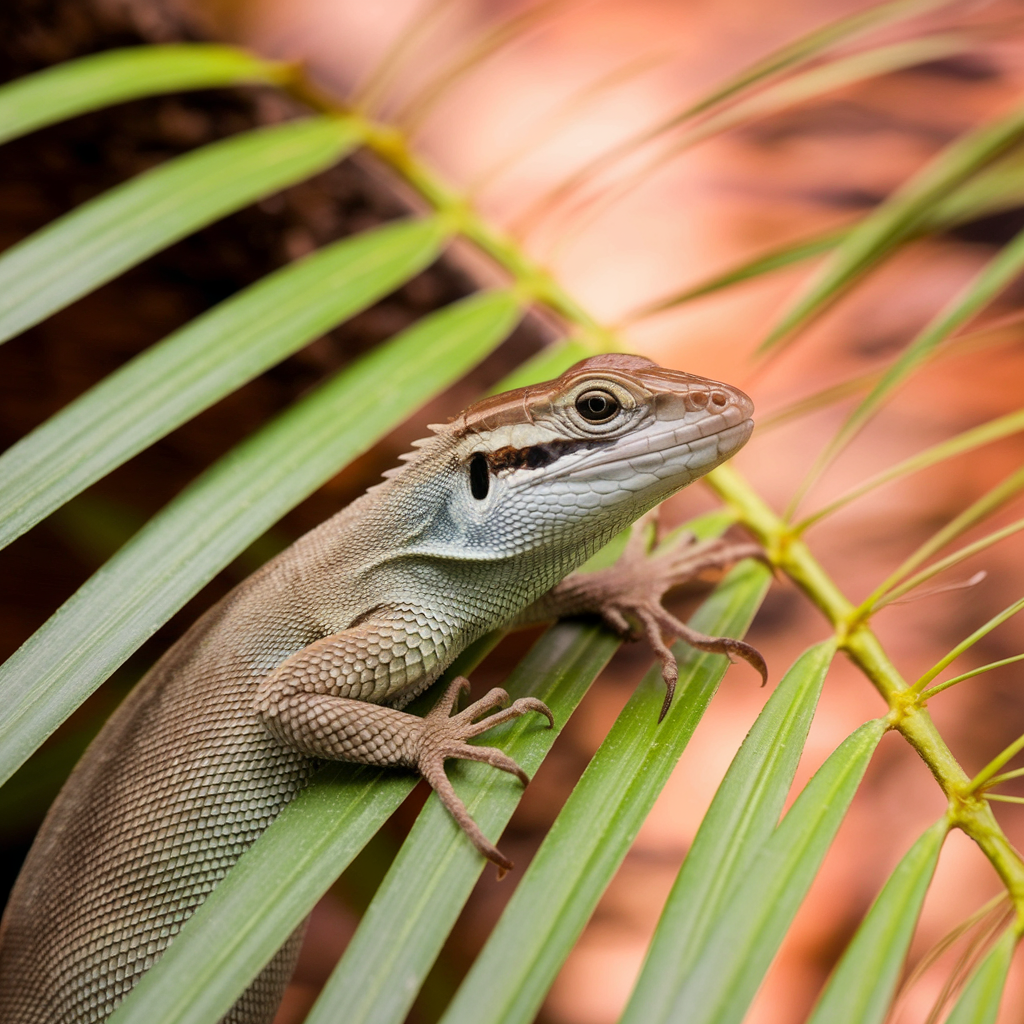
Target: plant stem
{"x": 968, "y": 811}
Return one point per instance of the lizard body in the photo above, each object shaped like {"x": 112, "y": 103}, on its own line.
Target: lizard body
{"x": 315, "y": 654}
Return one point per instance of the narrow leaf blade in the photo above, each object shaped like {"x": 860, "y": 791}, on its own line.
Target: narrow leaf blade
{"x": 862, "y": 986}
{"x": 897, "y": 219}
{"x": 105, "y": 236}
{"x": 203, "y": 361}
{"x": 223, "y": 511}
{"x": 592, "y": 834}
{"x": 741, "y": 819}
{"x": 968, "y": 440}
{"x": 989, "y": 282}
{"x": 724, "y": 978}
{"x": 979, "y": 1001}
{"x": 114, "y": 76}
{"x": 764, "y": 263}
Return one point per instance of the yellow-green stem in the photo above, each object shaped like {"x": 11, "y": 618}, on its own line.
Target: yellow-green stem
{"x": 968, "y": 811}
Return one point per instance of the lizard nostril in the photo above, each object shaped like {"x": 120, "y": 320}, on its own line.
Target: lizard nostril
{"x": 719, "y": 397}
{"x": 697, "y": 399}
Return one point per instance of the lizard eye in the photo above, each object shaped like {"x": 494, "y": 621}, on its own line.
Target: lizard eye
{"x": 479, "y": 477}
{"x": 597, "y": 406}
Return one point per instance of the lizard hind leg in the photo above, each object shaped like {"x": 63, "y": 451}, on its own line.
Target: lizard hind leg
{"x": 444, "y": 736}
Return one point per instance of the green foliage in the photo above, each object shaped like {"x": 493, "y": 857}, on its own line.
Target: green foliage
{"x": 747, "y": 872}
{"x": 861, "y": 989}
{"x": 598, "y": 823}
{"x": 979, "y": 1003}
{"x": 98, "y": 240}
{"x": 897, "y": 219}
{"x": 741, "y": 819}
{"x": 747, "y": 932}
{"x": 205, "y": 360}
{"x": 103, "y": 79}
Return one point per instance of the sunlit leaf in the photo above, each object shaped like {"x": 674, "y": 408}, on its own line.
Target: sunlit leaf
{"x": 592, "y": 834}
{"x": 897, "y": 219}
{"x": 997, "y": 187}
{"x": 765, "y": 263}
{"x": 981, "y": 670}
{"x": 368, "y": 94}
{"x": 1000, "y": 186}
{"x": 553, "y": 124}
{"x": 958, "y": 556}
{"x": 966, "y": 644}
{"x": 789, "y": 56}
{"x": 987, "y": 774}
{"x": 107, "y": 235}
{"x": 999, "y": 272}
{"x": 102, "y": 79}
{"x": 820, "y": 81}
{"x": 230, "y": 505}
{"x": 802, "y": 88}
{"x": 809, "y": 46}
{"x": 891, "y": 588}
{"x": 507, "y": 31}
{"x": 741, "y": 819}
{"x": 747, "y": 932}
{"x": 1002, "y": 330}
{"x": 986, "y": 433}
{"x": 861, "y": 987}
{"x": 979, "y": 1001}
{"x": 203, "y": 361}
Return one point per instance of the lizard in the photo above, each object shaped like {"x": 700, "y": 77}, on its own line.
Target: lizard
{"x": 314, "y": 656}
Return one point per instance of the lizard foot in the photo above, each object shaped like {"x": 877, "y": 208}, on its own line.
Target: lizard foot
{"x": 444, "y": 736}
{"x": 633, "y": 589}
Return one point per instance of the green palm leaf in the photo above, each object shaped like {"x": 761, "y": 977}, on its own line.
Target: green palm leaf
{"x": 741, "y": 819}
{"x": 897, "y": 219}
{"x": 206, "y": 359}
{"x": 746, "y": 935}
{"x": 598, "y": 823}
{"x": 861, "y": 989}
{"x": 96, "y": 242}
{"x": 979, "y": 1002}
{"x": 999, "y": 272}
{"x": 103, "y": 79}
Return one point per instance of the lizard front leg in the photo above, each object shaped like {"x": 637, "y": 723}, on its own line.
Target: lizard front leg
{"x": 325, "y": 701}
{"x": 634, "y": 587}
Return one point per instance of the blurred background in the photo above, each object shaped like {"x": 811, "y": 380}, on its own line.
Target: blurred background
{"x": 512, "y": 123}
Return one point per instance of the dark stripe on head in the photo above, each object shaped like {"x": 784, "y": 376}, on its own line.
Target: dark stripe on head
{"x": 537, "y": 455}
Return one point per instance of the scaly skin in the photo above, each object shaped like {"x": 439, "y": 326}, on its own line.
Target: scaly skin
{"x": 314, "y": 654}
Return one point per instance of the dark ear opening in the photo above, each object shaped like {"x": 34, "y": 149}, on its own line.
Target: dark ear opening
{"x": 479, "y": 477}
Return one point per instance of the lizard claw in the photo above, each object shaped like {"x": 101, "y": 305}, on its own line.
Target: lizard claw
{"x": 633, "y": 589}
{"x": 444, "y": 735}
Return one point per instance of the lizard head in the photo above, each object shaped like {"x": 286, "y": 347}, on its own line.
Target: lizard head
{"x": 587, "y": 453}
